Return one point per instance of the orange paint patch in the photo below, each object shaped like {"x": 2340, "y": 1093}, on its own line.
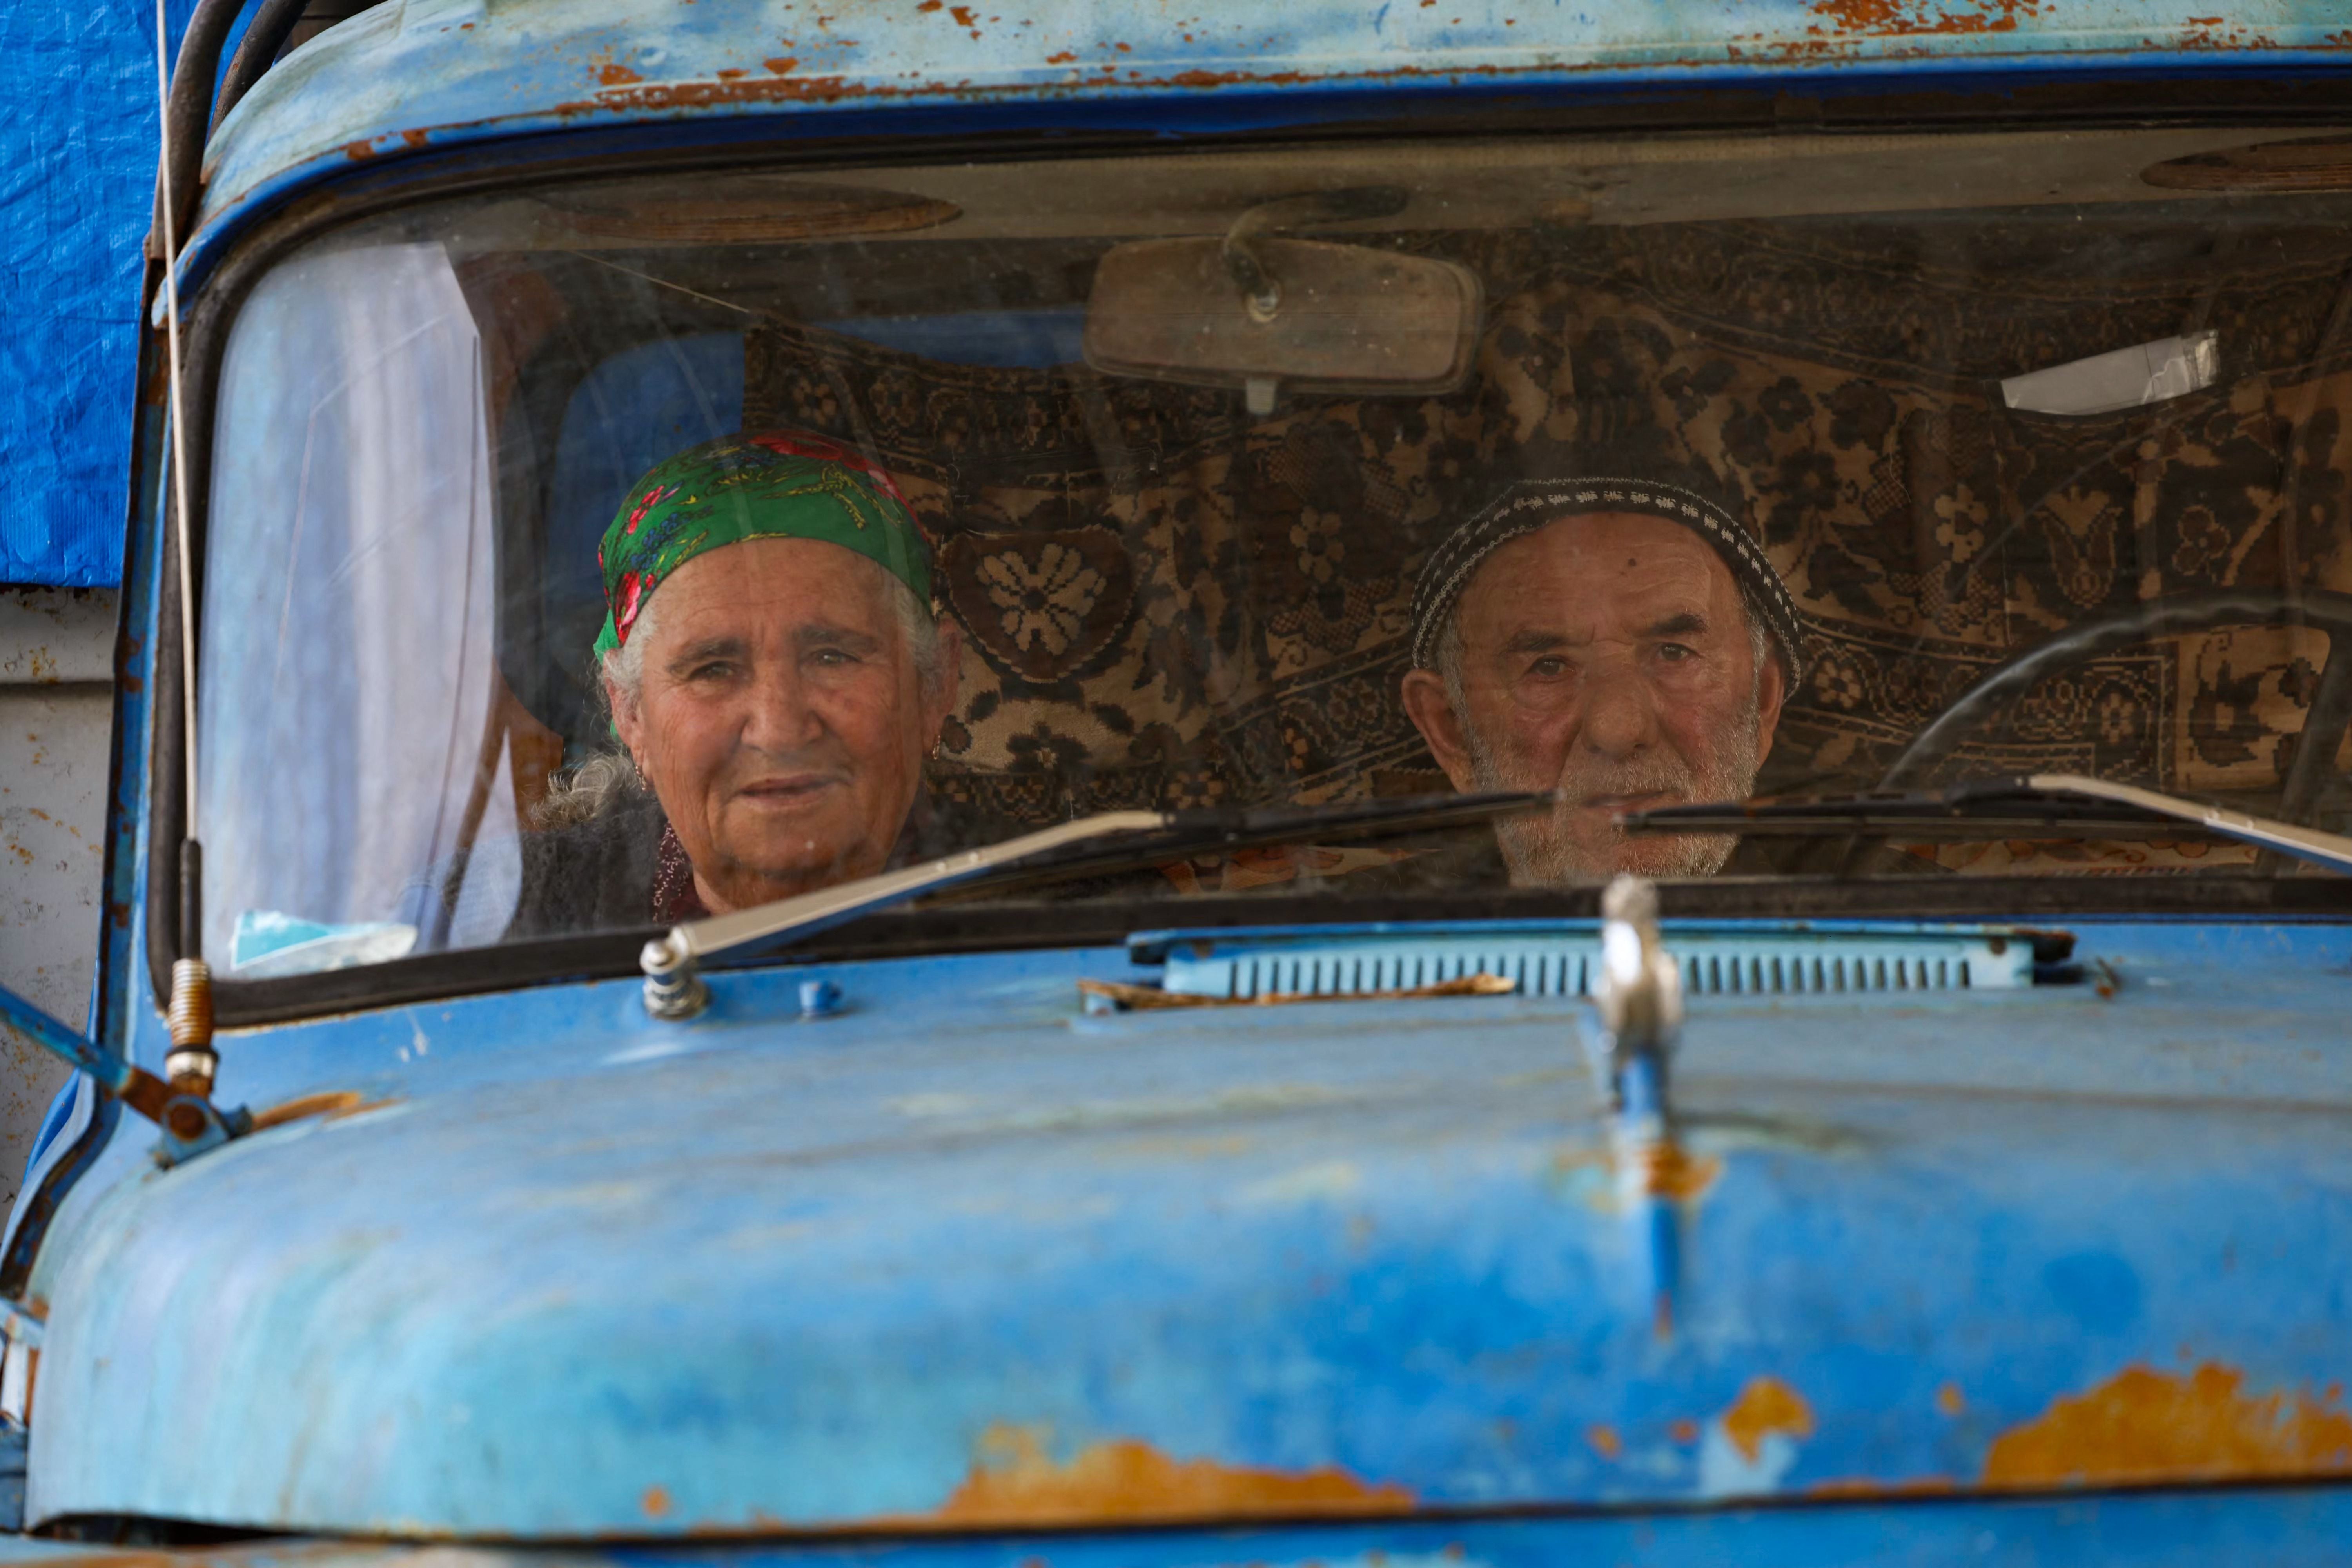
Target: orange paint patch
{"x": 1604, "y": 1441}
{"x": 1015, "y": 1482}
{"x": 1765, "y": 1406}
{"x": 1949, "y": 1400}
{"x": 655, "y": 1501}
{"x": 2146, "y": 1425}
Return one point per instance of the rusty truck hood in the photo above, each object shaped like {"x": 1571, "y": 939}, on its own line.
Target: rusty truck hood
{"x": 966, "y": 1255}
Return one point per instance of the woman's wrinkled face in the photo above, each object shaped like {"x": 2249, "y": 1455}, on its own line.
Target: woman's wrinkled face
{"x": 781, "y": 717}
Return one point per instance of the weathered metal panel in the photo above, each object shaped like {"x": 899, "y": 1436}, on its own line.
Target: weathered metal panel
{"x": 57, "y": 703}
{"x": 966, "y": 1256}
{"x": 447, "y": 72}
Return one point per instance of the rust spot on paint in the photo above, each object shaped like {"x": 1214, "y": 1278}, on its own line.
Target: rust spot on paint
{"x": 1915, "y": 18}
{"x": 658, "y": 98}
{"x": 781, "y": 64}
{"x": 1014, "y": 1481}
{"x": 928, "y": 5}
{"x": 617, "y": 74}
{"x": 1061, "y": 57}
{"x": 1604, "y": 1441}
{"x": 414, "y": 138}
{"x": 2147, "y": 1425}
{"x": 1680, "y": 1177}
{"x": 734, "y": 73}
{"x": 1864, "y": 1487}
{"x": 1949, "y": 1400}
{"x": 963, "y": 15}
{"x": 1684, "y": 1431}
{"x": 358, "y": 152}
{"x": 656, "y": 1502}
{"x": 1765, "y": 1406}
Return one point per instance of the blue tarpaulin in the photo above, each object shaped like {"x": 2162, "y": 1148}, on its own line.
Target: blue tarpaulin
{"x": 78, "y": 177}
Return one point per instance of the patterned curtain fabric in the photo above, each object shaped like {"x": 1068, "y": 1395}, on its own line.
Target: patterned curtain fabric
{"x": 1168, "y": 602}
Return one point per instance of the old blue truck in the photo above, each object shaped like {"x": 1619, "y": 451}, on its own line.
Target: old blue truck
{"x": 1240, "y": 1119}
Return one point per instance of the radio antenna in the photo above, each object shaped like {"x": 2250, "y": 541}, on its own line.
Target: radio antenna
{"x": 190, "y": 1062}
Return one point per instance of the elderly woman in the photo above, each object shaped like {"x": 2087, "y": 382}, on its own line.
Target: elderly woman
{"x": 775, "y": 676}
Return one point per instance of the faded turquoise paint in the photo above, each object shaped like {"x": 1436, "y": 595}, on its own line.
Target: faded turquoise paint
{"x": 793, "y": 1272}
{"x": 453, "y": 72}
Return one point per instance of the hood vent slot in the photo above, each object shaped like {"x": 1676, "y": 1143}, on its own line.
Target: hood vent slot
{"x": 1560, "y": 960}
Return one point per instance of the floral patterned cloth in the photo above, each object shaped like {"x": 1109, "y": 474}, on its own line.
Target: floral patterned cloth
{"x": 1168, "y": 602}
{"x": 774, "y": 485}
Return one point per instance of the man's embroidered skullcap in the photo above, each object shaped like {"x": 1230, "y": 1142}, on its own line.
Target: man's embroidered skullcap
{"x": 1691, "y": 500}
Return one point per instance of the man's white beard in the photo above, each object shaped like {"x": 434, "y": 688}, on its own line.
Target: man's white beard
{"x": 1541, "y": 849}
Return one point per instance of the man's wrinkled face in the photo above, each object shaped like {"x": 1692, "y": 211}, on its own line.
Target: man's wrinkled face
{"x": 781, "y": 717}
{"x": 1607, "y": 656}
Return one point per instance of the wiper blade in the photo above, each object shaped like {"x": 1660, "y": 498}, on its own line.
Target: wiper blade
{"x": 2072, "y": 804}
{"x": 1092, "y": 846}
{"x": 1187, "y": 834}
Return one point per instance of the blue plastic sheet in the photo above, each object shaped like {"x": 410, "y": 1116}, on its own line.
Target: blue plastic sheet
{"x": 77, "y": 178}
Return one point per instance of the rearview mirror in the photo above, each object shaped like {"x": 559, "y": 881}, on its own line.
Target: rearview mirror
{"x": 1269, "y": 315}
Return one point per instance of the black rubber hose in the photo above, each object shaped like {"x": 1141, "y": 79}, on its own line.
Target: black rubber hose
{"x": 265, "y": 37}
{"x": 189, "y": 113}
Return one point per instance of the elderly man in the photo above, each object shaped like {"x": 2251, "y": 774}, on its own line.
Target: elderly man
{"x": 776, "y": 676}
{"x": 1618, "y": 638}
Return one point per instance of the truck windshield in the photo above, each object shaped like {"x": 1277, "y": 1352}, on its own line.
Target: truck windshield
{"x": 594, "y": 556}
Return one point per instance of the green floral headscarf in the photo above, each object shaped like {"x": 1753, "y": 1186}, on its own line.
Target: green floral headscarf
{"x": 779, "y": 485}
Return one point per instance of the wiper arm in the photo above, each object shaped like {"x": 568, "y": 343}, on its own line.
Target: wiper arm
{"x": 2070, "y": 803}
{"x": 1192, "y": 833}
{"x": 1092, "y": 846}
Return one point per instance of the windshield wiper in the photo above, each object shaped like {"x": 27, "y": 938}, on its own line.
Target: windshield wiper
{"x": 1107, "y": 843}
{"x": 2068, "y": 805}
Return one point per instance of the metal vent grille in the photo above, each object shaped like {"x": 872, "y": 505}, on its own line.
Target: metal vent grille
{"x": 1561, "y": 962}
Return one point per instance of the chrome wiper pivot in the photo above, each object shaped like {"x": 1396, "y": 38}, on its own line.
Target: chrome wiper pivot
{"x": 673, "y": 989}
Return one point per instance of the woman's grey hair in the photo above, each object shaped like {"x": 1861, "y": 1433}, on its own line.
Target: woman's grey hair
{"x": 609, "y": 779}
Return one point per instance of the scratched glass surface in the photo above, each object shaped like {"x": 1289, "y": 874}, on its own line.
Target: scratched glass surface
{"x": 1182, "y": 436}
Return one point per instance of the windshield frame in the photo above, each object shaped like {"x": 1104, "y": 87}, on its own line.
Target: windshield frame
{"x": 1875, "y": 105}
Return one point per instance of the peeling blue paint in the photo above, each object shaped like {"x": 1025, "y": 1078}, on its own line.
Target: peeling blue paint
{"x": 396, "y": 79}
{"x": 1343, "y": 1235}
